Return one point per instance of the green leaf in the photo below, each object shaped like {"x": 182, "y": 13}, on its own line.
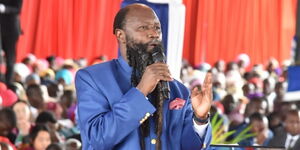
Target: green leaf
{"x": 219, "y": 137}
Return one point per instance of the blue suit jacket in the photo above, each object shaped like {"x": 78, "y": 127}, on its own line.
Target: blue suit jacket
{"x": 111, "y": 111}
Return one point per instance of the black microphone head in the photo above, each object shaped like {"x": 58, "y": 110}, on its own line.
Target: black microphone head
{"x": 158, "y": 55}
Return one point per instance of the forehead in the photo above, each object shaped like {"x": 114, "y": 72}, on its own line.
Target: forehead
{"x": 20, "y": 104}
{"x": 141, "y": 15}
{"x": 293, "y": 116}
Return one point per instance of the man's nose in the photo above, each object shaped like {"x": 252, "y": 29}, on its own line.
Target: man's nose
{"x": 153, "y": 34}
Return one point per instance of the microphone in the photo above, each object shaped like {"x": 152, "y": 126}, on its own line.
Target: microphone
{"x": 159, "y": 56}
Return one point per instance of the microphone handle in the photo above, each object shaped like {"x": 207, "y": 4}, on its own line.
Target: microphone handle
{"x": 165, "y": 89}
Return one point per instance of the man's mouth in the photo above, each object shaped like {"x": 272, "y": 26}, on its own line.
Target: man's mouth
{"x": 153, "y": 44}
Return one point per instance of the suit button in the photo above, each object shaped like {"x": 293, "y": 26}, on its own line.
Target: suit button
{"x": 148, "y": 115}
{"x": 141, "y": 121}
{"x": 153, "y": 141}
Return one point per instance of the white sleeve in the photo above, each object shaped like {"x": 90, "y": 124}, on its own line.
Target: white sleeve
{"x": 200, "y": 129}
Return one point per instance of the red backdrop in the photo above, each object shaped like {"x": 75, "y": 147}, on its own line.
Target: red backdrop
{"x": 222, "y": 29}
{"x": 214, "y": 29}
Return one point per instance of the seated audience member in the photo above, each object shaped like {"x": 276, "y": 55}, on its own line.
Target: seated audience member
{"x": 23, "y": 114}
{"x": 275, "y": 122}
{"x": 47, "y": 118}
{"x": 289, "y": 136}
{"x": 7, "y": 124}
{"x": 262, "y": 134}
{"x": 35, "y": 97}
{"x": 39, "y": 138}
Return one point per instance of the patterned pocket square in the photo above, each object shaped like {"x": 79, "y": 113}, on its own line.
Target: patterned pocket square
{"x": 177, "y": 103}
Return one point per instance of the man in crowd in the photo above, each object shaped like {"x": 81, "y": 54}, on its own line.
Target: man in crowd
{"x": 289, "y": 136}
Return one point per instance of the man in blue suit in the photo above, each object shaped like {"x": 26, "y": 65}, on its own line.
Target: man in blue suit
{"x": 120, "y": 102}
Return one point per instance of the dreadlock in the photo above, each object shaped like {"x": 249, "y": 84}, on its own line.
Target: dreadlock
{"x": 138, "y": 59}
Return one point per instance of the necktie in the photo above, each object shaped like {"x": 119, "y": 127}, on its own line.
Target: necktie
{"x": 290, "y": 145}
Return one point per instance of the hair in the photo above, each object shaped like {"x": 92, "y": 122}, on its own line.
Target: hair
{"x": 293, "y": 112}
{"x": 54, "y": 146}
{"x": 31, "y": 89}
{"x": 258, "y": 117}
{"x": 8, "y": 116}
{"x": 45, "y": 117}
{"x": 36, "y": 129}
{"x": 120, "y": 18}
{"x": 135, "y": 57}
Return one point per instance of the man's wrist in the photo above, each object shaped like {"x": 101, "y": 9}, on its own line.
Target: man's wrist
{"x": 141, "y": 90}
{"x": 201, "y": 120}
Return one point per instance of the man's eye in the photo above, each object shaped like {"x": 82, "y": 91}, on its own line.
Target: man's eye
{"x": 143, "y": 27}
{"x": 157, "y": 27}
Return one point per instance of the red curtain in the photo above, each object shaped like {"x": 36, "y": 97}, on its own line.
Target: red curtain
{"x": 222, "y": 29}
{"x": 215, "y": 29}
{"x": 68, "y": 28}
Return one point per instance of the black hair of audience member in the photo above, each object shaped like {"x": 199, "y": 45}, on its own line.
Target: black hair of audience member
{"x": 8, "y": 121}
{"x": 256, "y": 104}
{"x": 26, "y": 61}
{"x": 36, "y": 129}
{"x": 231, "y": 66}
{"x": 53, "y": 89}
{"x": 45, "y": 117}
{"x": 247, "y": 76}
{"x": 68, "y": 98}
{"x": 256, "y": 116}
{"x": 54, "y": 146}
{"x": 35, "y": 96}
{"x": 51, "y": 61}
{"x": 12, "y": 87}
{"x": 228, "y": 103}
{"x": 75, "y": 136}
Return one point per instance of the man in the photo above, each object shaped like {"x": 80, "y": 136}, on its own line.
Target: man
{"x": 259, "y": 127}
{"x": 289, "y": 137}
{"x": 9, "y": 33}
{"x": 120, "y": 103}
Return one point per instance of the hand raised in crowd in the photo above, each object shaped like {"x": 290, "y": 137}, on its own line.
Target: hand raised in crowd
{"x": 152, "y": 75}
{"x": 201, "y": 100}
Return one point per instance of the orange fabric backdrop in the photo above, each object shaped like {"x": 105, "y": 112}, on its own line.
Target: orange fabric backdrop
{"x": 68, "y": 28}
{"x": 222, "y": 29}
{"x": 215, "y": 29}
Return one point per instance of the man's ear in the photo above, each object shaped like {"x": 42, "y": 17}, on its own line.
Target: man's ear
{"x": 120, "y": 34}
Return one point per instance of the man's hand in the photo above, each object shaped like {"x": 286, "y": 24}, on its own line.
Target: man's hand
{"x": 152, "y": 75}
{"x": 201, "y": 100}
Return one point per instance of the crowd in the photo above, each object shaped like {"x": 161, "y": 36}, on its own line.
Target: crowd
{"x": 253, "y": 96}
{"x": 38, "y": 111}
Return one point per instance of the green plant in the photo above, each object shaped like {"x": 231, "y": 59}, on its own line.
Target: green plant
{"x": 219, "y": 135}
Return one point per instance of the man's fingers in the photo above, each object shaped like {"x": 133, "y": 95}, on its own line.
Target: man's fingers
{"x": 207, "y": 85}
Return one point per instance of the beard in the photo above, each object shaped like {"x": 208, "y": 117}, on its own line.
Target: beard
{"x": 139, "y": 57}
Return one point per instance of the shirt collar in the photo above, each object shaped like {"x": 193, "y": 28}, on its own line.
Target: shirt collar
{"x": 124, "y": 65}
{"x": 295, "y": 137}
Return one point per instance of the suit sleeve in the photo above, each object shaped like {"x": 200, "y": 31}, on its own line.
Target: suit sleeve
{"x": 105, "y": 125}
{"x": 190, "y": 139}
